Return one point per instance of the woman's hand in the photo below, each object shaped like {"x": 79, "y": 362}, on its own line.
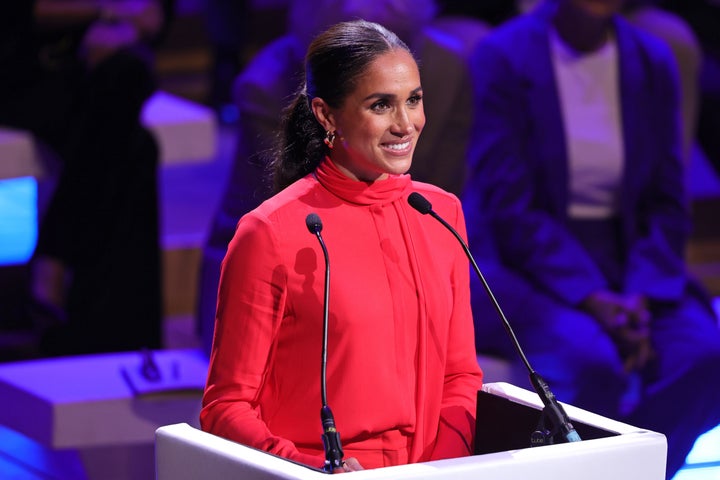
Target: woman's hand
{"x": 349, "y": 465}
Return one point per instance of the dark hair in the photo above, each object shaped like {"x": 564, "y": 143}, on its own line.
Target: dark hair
{"x": 335, "y": 61}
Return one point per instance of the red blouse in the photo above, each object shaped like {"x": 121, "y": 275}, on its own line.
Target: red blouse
{"x": 402, "y": 375}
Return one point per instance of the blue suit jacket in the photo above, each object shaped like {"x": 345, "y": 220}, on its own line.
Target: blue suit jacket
{"x": 518, "y": 175}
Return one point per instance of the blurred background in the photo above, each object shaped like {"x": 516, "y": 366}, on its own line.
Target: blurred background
{"x": 205, "y": 46}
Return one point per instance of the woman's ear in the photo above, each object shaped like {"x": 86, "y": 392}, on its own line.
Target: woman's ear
{"x": 323, "y": 114}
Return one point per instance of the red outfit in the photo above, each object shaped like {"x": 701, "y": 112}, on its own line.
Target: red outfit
{"x": 402, "y": 375}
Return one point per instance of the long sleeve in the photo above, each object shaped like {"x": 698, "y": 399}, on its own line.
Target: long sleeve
{"x": 250, "y": 310}
{"x": 656, "y": 203}
{"x": 401, "y": 357}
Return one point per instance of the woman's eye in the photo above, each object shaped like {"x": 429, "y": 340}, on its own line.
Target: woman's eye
{"x": 380, "y": 105}
{"x": 414, "y": 100}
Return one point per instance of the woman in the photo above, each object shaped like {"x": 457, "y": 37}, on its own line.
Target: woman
{"x": 402, "y": 375}
{"x": 263, "y": 88}
{"x": 577, "y": 167}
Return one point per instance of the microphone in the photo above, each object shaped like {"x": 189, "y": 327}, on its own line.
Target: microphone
{"x": 330, "y": 436}
{"x": 552, "y": 408}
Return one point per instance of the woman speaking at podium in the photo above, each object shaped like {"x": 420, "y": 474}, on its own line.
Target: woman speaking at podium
{"x": 401, "y": 371}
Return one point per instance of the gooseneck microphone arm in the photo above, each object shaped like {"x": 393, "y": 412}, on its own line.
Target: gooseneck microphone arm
{"x": 330, "y": 436}
{"x": 552, "y": 408}
{"x": 314, "y": 225}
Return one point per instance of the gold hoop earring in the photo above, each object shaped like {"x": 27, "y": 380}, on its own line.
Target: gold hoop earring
{"x": 329, "y": 139}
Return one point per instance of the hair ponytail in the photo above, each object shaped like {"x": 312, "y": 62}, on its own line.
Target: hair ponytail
{"x": 301, "y": 147}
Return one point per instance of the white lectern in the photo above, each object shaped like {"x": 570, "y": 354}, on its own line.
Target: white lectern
{"x": 609, "y": 450}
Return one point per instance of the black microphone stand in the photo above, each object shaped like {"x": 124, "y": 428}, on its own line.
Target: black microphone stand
{"x": 330, "y": 436}
{"x": 553, "y": 412}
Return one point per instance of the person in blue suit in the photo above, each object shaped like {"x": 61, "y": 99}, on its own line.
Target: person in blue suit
{"x": 577, "y": 211}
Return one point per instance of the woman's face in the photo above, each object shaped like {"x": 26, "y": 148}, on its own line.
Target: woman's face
{"x": 379, "y": 123}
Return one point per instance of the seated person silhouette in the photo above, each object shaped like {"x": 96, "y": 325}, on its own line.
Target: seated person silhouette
{"x": 576, "y": 209}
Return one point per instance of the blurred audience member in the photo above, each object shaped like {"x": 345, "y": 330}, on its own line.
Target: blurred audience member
{"x": 227, "y": 27}
{"x": 575, "y": 183}
{"x": 76, "y": 74}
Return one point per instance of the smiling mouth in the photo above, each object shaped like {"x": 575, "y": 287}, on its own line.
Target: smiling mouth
{"x": 397, "y": 146}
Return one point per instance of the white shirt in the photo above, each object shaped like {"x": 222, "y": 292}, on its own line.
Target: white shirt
{"x": 588, "y": 87}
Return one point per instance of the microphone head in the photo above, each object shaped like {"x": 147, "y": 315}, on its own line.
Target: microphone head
{"x": 313, "y": 222}
{"x": 419, "y": 203}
